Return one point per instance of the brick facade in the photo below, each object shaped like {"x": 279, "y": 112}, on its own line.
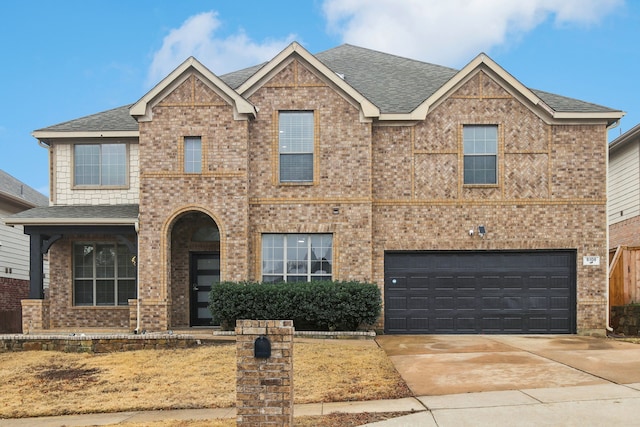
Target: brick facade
{"x": 378, "y": 186}
{"x": 264, "y": 386}
{"x": 11, "y": 292}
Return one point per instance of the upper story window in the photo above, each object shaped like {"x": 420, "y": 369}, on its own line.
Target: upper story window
{"x": 296, "y": 143}
{"x": 100, "y": 164}
{"x": 296, "y": 257}
{"x": 480, "y": 154}
{"x": 193, "y": 154}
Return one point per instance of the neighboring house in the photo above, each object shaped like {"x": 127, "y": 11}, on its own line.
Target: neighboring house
{"x": 624, "y": 189}
{"x": 477, "y": 204}
{"x": 15, "y": 196}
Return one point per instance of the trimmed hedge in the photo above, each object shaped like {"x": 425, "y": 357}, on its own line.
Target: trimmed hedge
{"x": 317, "y": 306}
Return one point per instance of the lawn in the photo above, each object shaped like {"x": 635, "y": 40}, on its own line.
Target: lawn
{"x": 40, "y": 383}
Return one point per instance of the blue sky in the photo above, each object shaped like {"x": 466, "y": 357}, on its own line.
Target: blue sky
{"x": 67, "y": 59}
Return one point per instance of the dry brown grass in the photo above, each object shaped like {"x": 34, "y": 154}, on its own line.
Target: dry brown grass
{"x": 52, "y": 383}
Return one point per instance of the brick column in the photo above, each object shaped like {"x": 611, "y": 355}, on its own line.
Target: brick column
{"x": 264, "y": 386}
{"x": 35, "y": 315}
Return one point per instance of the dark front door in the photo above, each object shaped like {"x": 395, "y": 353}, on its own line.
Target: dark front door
{"x": 205, "y": 271}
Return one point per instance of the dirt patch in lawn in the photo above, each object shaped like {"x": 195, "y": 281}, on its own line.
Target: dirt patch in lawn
{"x": 50, "y": 383}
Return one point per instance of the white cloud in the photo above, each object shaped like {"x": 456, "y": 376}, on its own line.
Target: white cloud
{"x": 452, "y": 32}
{"x": 197, "y": 37}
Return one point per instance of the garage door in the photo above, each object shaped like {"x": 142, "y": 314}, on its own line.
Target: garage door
{"x": 487, "y": 292}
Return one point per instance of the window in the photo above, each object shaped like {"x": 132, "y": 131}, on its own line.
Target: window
{"x": 296, "y": 257}
{"x": 103, "y": 274}
{"x": 100, "y": 164}
{"x": 193, "y": 154}
{"x": 296, "y": 141}
{"x": 480, "y": 154}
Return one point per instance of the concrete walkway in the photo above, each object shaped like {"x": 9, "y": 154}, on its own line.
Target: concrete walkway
{"x": 583, "y": 406}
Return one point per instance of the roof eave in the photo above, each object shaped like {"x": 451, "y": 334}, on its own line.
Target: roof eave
{"x": 16, "y": 200}
{"x": 46, "y": 135}
{"x": 70, "y": 221}
{"x": 625, "y": 138}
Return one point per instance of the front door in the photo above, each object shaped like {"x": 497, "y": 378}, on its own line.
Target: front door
{"x": 205, "y": 271}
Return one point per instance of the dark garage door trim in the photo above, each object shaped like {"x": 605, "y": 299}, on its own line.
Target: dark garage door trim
{"x": 480, "y": 292}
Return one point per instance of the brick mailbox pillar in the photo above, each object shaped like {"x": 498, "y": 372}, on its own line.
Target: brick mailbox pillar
{"x": 264, "y": 379}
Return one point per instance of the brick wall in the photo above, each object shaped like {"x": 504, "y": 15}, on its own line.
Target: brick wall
{"x": 264, "y": 386}
{"x": 625, "y": 233}
{"x": 551, "y": 190}
{"x": 11, "y": 292}
{"x": 63, "y": 314}
{"x": 395, "y": 188}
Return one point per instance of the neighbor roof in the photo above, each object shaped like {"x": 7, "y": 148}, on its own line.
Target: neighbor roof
{"x": 20, "y": 192}
{"x": 629, "y": 136}
{"x": 395, "y": 85}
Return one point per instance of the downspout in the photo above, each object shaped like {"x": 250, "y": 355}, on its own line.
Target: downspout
{"x": 136, "y": 225}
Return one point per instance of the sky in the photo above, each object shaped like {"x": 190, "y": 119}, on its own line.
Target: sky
{"x": 63, "y": 60}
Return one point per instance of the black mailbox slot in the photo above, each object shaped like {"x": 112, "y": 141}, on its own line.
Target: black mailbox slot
{"x": 262, "y": 348}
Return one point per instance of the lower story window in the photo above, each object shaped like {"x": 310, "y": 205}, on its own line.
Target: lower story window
{"x": 104, "y": 274}
{"x": 296, "y": 257}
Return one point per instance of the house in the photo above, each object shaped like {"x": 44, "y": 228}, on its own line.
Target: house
{"x": 15, "y": 196}
{"x": 624, "y": 218}
{"x": 477, "y": 204}
{"x": 624, "y": 189}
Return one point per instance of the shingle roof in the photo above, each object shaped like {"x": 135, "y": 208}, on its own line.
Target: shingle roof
{"x": 117, "y": 119}
{"x": 97, "y": 214}
{"x": 19, "y": 190}
{"x": 396, "y": 85}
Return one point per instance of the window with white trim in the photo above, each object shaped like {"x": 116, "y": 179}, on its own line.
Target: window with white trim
{"x": 480, "y": 154}
{"x": 296, "y": 143}
{"x": 100, "y": 164}
{"x": 104, "y": 274}
{"x": 192, "y": 154}
{"x": 296, "y": 257}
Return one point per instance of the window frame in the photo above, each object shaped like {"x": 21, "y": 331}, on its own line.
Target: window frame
{"x": 285, "y": 275}
{"x": 312, "y": 152}
{"x": 95, "y": 278}
{"x": 184, "y": 155}
{"x": 74, "y": 165}
{"x": 495, "y": 154}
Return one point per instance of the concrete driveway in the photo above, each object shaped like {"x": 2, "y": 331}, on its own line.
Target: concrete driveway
{"x": 450, "y": 364}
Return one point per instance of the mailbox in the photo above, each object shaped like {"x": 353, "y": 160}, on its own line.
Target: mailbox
{"x": 262, "y": 348}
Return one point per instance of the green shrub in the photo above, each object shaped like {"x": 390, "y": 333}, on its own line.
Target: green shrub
{"x": 322, "y": 305}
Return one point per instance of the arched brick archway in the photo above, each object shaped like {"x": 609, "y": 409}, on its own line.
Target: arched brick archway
{"x": 194, "y": 254}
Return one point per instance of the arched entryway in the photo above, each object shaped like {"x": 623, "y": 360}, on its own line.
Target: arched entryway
{"x": 194, "y": 267}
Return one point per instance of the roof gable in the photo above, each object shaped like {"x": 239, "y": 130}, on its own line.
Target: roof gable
{"x": 294, "y": 50}
{"x": 546, "y": 105}
{"x": 142, "y": 110}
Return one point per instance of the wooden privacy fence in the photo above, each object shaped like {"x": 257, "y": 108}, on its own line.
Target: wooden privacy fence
{"x": 624, "y": 275}
{"x": 10, "y": 321}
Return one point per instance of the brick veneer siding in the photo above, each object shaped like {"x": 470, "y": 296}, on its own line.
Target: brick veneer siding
{"x": 625, "y": 233}
{"x": 11, "y": 292}
{"x": 376, "y": 188}
{"x": 63, "y": 315}
{"x": 264, "y": 386}
{"x": 166, "y": 193}
{"x": 551, "y": 190}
